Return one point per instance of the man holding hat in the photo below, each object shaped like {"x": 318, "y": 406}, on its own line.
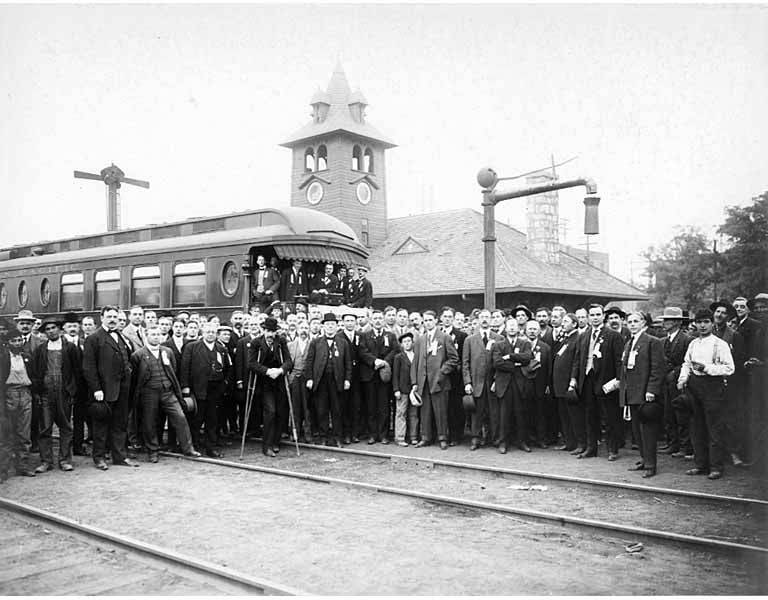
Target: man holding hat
{"x": 55, "y": 372}
{"x": 328, "y": 373}
{"x": 270, "y": 359}
{"x": 676, "y": 422}
{"x": 406, "y": 414}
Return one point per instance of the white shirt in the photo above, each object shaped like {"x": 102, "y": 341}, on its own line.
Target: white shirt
{"x": 671, "y": 337}
{"x": 155, "y": 351}
{"x": 710, "y": 351}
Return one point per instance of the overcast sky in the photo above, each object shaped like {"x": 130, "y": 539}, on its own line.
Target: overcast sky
{"x": 661, "y": 105}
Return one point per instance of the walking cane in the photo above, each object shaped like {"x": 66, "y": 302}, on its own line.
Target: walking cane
{"x": 248, "y": 404}
{"x": 290, "y": 413}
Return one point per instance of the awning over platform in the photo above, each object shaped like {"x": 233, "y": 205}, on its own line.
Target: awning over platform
{"x": 323, "y": 254}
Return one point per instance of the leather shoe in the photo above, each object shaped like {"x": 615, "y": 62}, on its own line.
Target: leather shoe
{"x": 612, "y": 456}
{"x": 371, "y": 441}
{"x": 402, "y": 444}
{"x": 474, "y": 446}
{"x": 422, "y": 444}
{"x": 65, "y": 466}
{"x": 524, "y": 447}
{"x": 502, "y": 449}
{"x": 443, "y": 445}
{"x": 355, "y": 439}
{"x": 43, "y": 467}
{"x": 677, "y": 454}
{"x": 128, "y": 462}
{"x": 25, "y": 472}
{"x": 560, "y": 447}
{"x": 649, "y": 473}
{"x": 385, "y": 441}
{"x": 153, "y": 458}
{"x": 587, "y": 454}
{"x": 715, "y": 475}
{"x": 338, "y": 444}
{"x": 269, "y": 452}
{"x": 451, "y": 443}
{"x": 542, "y": 445}
{"x": 193, "y": 454}
{"x": 276, "y": 449}
{"x": 637, "y": 467}
{"x": 347, "y": 440}
{"x": 101, "y": 465}
{"x": 696, "y": 471}
{"x": 213, "y": 454}
{"x": 670, "y": 450}
{"x": 577, "y": 451}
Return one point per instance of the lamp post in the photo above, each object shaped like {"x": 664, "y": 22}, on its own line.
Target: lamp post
{"x": 488, "y": 179}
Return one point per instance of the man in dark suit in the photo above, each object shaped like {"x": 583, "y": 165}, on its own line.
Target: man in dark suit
{"x": 509, "y": 356}
{"x": 80, "y": 416}
{"x": 642, "y": 376}
{"x": 406, "y": 414}
{"x": 377, "y": 349}
{"x": 323, "y": 285}
{"x": 676, "y": 422}
{"x": 362, "y": 290}
{"x": 477, "y": 371}
{"x": 538, "y": 373}
{"x": 598, "y": 364}
{"x": 570, "y": 410}
{"x": 265, "y": 283}
{"x": 271, "y": 362}
{"x": 155, "y": 388}
{"x": 107, "y": 370}
{"x": 205, "y": 369}
{"x": 456, "y": 416}
{"x": 294, "y": 282}
{"x": 243, "y": 377}
{"x": 434, "y": 359}
{"x": 353, "y": 411}
{"x": 328, "y": 372}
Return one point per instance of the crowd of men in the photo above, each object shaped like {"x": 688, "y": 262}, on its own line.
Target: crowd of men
{"x": 692, "y": 387}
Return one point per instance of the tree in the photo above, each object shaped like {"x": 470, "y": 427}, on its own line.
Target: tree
{"x": 681, "y": 271}
{"x": 743, "y": 266}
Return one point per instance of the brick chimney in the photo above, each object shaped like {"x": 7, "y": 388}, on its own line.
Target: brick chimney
{"x": 542, "y": 215}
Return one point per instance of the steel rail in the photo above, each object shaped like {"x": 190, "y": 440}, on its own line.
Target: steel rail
{"x": 487, "y": 506}
{"x": 209, "y": 569}
{"x": 536, "y": 475}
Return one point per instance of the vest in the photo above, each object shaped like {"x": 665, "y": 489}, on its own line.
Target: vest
{"x": 158, "y": 380}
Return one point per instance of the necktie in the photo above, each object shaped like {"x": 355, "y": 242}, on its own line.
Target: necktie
{"x": 485, "y": 338}
{"x": 590, "y": 356}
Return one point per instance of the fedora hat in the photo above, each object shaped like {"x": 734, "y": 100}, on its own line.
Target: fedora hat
{"x": 24, "y": 315}
{"x": 615, "y": 310}
{"x": 189, "y": 405}
{"x": 415, "y": 398}
{"x": 672, "y": 312}
{"x": 468, "y": 400}
{"x": 51, "y": 320}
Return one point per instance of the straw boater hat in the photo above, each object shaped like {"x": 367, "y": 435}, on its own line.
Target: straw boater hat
{"x": 25, "y": 315}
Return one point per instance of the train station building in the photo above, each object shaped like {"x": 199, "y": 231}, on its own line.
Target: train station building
{"x": 432, "y": 259}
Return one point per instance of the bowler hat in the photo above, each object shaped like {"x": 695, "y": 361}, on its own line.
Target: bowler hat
{"x": 524, "y": 308}
{"x": 615, "y": 310}
{"x": 650, "y": 412}
{"x": 269, "y": 324}
{"x": 24, "y": 315}
{"x": 415, "y": 398}
{"x": 189, "y": 405}
{"x": 468, "y": 400}
{"x": 730, "y": 311}
{"x": 385, "y": 373}
{"x": 672, "y": 312}
{"x": 329, "y": 316}
{"x": 71, "y": 317}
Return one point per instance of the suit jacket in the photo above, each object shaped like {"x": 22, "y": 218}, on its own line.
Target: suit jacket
{"x": 32, "y": 343}
{"x": 434, "y": 369}
{"x": 196, "y": 367}
{"x": 607, "y": 366}
{"x": 242, "y": 354}
{"x": 401, "y": 373}
{"x": 293, "y": 284}
{"x": 477, "y": 362}
{"x": 171, "y": 345}
{"x": 103, "y": 366}
{"x": 132, "y": 333}
{"x": 142, "y": 371}
{"x": 70, "y": 367}
{"x": 258, "y": 356}
{"x": 361, "y": 295}
{"x": 674, "y": 355}
{"x": 318, "y": 356}
{"x": 271, "y": 280}
{"x": 330, "y": 283}
{"x": 648, "y": 372}
{"x": 507, "y": 362}
{"x": 298, "y": 357}
{"x": 564, "y": 354}
{"x": 384, "y": 347}
{"x": 751, "y": 330}
{"x": 540, "y": 375}
{"x": 547, "y": 335}
{"x": 458, "y": 338}
{"x": 354, "y": 349}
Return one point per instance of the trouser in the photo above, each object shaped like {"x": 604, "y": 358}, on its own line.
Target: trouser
{"x": 434, "y": 406}
{"x": 300, "y": 403}
{"x": 578, "y": 415}
{"x": 55, "y": 407}
{"x": 480, "y": 417}
{"x": 263, "y": 299}
{"x": 34, "y": 424}
{"x": 226, "y": 412}
{"x": 80, "y": 419}
{"x": 257, "y": 408}
{"x": 457, "y": 419}
{"x": 351, "y": 409}
{"x": 710, "y": 429}
{"x": 377, "y": 399}
{"x": 328, "y": 402}
{"x": 271, "y": 395}
{"x": 566, "y": 424}
{"x": 756, "y": 432}
{"x": 672, "y": 427}
{"x": 134, "y": 424}
{"x": 647, "y": 436}
{"x": 406, "y": 419}
{"x": 552, "y": 420}
{"x": 155, "y": 402}
{"x": 737, "y": 399}
{"x": 18, "y": 407}
{"x": 206, "y": 416}
{"x": 6, "y": 455}
{"x": 513, "y": 406}
{"x": 113, "y": 427}
{"x": 536, "y": 407}
{"x": 594, "y": 405}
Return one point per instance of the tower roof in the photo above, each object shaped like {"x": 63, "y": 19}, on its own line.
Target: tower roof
{"x": 339, "y": 118}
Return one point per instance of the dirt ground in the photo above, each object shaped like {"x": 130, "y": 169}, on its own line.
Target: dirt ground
{"x": 335, "y": 540}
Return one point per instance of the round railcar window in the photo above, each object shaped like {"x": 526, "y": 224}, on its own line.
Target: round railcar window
{"x": 45, "y": 292}
{"x": 230, "y": 279}
{"x": 23, "y": 294}
{"x": 3, "y": 295}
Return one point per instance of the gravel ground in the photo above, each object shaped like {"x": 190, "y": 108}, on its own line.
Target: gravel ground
{"x": 334, "y": 540}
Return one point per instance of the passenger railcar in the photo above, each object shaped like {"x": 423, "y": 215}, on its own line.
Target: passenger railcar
{"x": 197, "y": 264}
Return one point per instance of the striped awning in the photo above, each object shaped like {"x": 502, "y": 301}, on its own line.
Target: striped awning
{"x": 324, "y": 254}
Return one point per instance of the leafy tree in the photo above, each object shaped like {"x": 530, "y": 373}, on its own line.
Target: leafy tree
{"x": 743, "y": 266}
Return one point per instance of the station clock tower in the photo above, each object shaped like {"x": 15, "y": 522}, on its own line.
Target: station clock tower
{"x": 338, "y": 163}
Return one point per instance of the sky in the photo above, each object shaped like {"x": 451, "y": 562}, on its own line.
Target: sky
{"x": 664, "y": 106}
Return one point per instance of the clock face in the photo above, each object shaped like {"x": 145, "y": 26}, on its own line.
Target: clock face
{"x": 315, "y": 192}
{"x": 363, "y": 192}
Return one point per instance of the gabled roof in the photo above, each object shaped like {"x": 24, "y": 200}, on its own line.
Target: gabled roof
{"x": 339, "y": 117}
{"x": 452, "y": 262}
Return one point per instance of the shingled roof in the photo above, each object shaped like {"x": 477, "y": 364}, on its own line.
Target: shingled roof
{"x": 339, "y": 96}
{"x": 442, "y": 253}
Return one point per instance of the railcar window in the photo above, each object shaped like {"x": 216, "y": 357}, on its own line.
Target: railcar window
{"x": 230, "y": 279}
{"x": 3, "y": 295}
{"x": 146, "y": 286}
{"x": 45, "y": 292}
{"x": 72, "y": 291}
{"x": 107, "y": 288}
{"x": 189, "y": 284}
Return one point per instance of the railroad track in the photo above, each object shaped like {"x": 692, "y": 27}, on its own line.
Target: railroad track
{"x": 622, "y": 530}
{"x": 45, "y": 553}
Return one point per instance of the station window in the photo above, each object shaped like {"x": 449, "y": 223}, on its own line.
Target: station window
{"x": 309, "y": 160}
{"x": 72, "y": 291}
{"x": 107, "y": 288}
{"x": 357, "y": 157}
{"x": 322, "y": 158}
{"x": 189, "y": 284}
{"x": 368, "y": 161}
{"x": 145, "y": 290}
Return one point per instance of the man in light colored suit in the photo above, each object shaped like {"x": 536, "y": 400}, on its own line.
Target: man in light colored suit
{"x": 435, "y": 358}
{"x": 135, "y": 331}
{"x": 477, "y": 370}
